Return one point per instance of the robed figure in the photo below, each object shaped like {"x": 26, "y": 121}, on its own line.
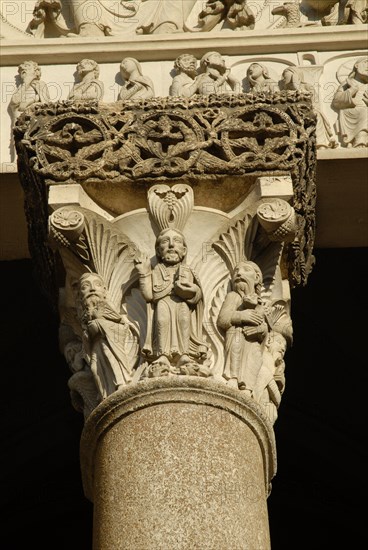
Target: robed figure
{"x": 243, "y": 318}
{"x": 174, "y": 334}
{"x": 105, "y": 334}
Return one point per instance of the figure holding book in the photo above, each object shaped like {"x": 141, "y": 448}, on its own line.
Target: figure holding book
{"x": 175, "y": 293}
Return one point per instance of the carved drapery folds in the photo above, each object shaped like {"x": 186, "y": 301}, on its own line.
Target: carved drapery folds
{"x": 175, "y": 288}
{"x": 90, "y": 18}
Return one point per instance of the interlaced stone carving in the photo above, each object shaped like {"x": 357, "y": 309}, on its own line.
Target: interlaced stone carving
{"x": 168, "y": 137}
{"x": 172, "y": 140}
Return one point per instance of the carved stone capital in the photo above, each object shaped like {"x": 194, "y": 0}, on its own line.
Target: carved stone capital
{"x": 176, "y": 228}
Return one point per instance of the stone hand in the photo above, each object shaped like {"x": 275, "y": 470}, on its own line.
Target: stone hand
{"x": 142, "y": 263}
{"x": 93, "y": 329}
{"x": 354, "y": 90}
{"x": 251, "y": 317}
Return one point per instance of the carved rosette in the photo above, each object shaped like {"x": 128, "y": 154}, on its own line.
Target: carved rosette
{"x": 65, "y": 225}
{"x": 278, "y": 220}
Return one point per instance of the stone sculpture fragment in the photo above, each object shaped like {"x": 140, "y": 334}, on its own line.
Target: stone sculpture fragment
{"x": 293, "y": 79}
{"x": 88, "y": 87}
{"x": 351, "y": 103}
{"x": 136, "y": 85}
{"x": 215, "y": 77}
{"x": 31, "y": 89}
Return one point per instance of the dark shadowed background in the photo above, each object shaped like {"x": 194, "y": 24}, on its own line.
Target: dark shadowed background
{"x": 318, "y": 496}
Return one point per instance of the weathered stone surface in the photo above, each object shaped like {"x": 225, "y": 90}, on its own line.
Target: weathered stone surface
{"x": 178, "y": 464}
{"x": 118, "y": 153}
{"x": 96, "y": 18}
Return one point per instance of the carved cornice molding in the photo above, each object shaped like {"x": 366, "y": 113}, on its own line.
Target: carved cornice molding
{"x": 157, "y": 47}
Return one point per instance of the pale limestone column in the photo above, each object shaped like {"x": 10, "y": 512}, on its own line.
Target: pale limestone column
{"x": 178, "y": 463}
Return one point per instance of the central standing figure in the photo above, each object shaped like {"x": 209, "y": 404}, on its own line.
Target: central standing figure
{"x": 175, "y": 292}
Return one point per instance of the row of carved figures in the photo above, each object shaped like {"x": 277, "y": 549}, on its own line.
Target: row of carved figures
{"x": 213, "y": 77}
{"x": 136, "y": 319}
{"x": 53, "y": 18}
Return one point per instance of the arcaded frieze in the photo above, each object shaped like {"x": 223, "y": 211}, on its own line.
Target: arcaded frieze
{"x": 100, "y": 18}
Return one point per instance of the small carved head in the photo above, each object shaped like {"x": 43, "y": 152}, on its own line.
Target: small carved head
{"x": 256, "y": 71}
{"x": 73, "y": 355}
{"x": 291, "y": 76}
{"x": 247, "y": 277}
{"x": 128, "y": 66}
{"x": 91, "y": 285}
{"x": 276, "y": 345}
{"x": 212, "y": 60}
{"x": 87, "y": 66}
{"x": 91, "y": 296}
{"x": 29, "y": 67}
{"x": 171, "y": 247}
{"x": 186, "y": 63}
{"x": 361, "y": 68}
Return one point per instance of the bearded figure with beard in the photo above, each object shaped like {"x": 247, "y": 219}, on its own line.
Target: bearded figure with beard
{"x": 243, "y": 318}
{"x": 173, "y": 289}
{"x": 105, "y": 333}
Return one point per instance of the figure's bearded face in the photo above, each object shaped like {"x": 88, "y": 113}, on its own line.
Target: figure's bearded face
{"x": 245, "y": 278}
{"x": 171, "y": 247}
{"x": 92, "y": 289}
{"x": 29, "y": 69}
{"x": 188, "y": 65}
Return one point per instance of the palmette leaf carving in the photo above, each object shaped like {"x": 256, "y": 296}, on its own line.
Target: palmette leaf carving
{"x": 88, "y": 243}
{"x": 112, "y": 257}
{"x": 231, "y": 244}
{"x": 215, "y": 278}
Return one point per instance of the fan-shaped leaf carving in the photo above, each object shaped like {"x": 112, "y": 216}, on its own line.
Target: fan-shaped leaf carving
{"x": 111, "y": 257}
{"x": 236, "y": 244}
